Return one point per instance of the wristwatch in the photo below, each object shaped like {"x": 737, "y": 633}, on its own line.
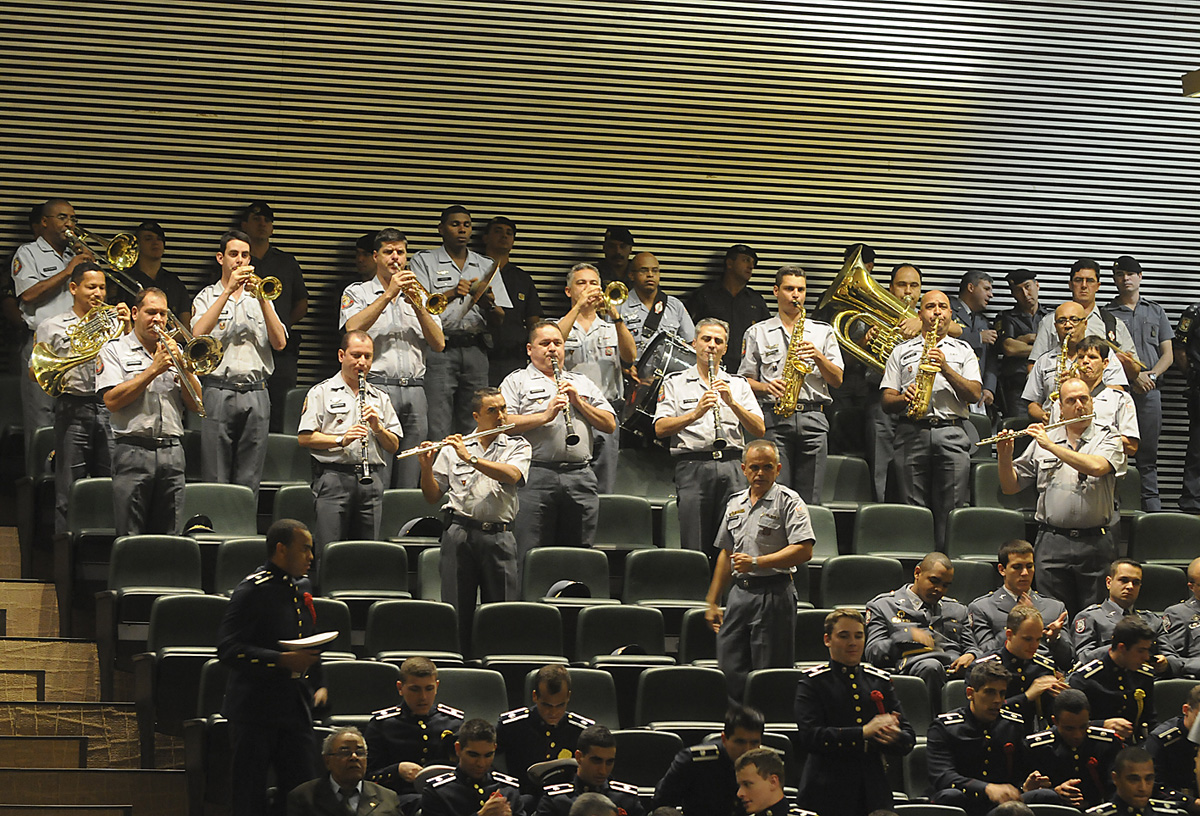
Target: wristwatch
{"x": 1153, "y": 377}
{"x": 474, "y": 460}
{"x": 754, "y": 562}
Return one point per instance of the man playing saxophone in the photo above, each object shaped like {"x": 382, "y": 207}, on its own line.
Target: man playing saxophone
{"x": 791, "y": 362}
{"x": 933, "y": 450}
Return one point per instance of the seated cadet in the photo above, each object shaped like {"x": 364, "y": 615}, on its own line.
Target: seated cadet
{"x": 473, "y": 788}
{"x": 1033, "y": 680}
{"x": 760, "y": 785}
{"x": 1075, "y": 755}
{"x": 1133, "y": 776}
{"x": 1120, "y": 685}
{"x": 917, "y": 631}
{"x": 701, "y": 780}
{"x": 848, "y": 721}
{"x": 542, "y": 731}
{"x": 596, "y": 754}
{"x": 977, "y": 753}
{"x": 416, "y": 733}
{"x": 1175, "y": 755}
{"x": 594, "y": 804}
{"x": 988, "y": 614}
{"x": 1181, "y": 625}
{"x": 1094, "y": 625}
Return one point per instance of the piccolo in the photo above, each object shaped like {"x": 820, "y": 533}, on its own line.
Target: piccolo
{"x": 1025, "y": 432}
{"x": 432, "y": 446}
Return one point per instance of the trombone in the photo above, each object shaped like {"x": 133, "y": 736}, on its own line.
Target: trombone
{"x": 425, "y": 447}
{"x": 181, "y": 365}
{"x": 121, "y": 252}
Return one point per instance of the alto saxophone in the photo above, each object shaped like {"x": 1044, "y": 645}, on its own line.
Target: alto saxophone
{"x": 794, "y": 371}
{"x": 927, "y": 371}
{"x": 1063, "y": 370}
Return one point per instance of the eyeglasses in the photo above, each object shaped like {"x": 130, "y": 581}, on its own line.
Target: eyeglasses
{"x": 346, "y": 753}
{"x": 1069, "y": 321}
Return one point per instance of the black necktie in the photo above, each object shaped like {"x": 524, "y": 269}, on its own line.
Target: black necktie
{"x": 344, "y": 794}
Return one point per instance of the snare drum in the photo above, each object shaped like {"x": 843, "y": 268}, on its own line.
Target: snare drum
{"x": 665, "y": 355}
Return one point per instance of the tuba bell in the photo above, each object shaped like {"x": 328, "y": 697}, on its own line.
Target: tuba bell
{"x": 861, "y": 300}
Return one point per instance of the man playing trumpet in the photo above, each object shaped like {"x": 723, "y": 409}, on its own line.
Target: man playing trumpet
{"x": 482, "y": 476}
{"x": 403, "y": 331}
{"x": 234, "y": 431}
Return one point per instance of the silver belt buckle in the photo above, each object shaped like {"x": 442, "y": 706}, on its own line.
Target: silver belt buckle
{"x": 716, "y": 455}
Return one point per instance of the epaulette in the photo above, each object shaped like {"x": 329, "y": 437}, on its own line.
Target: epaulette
{"x": 513, "y": 716}
{"x": 1040, "y": 739}
{"x": 1102, "y": 734}
{"x": 951, "y": 718}
{"x": 796, "y": 810}
{"x": 259, "y": 576}
{"x": 986, "y": 658}
{"x": 450, "y": 711}
{"x": 1171, "y": 736}
{"x": 505, "y": 779}
{"x": 441, "y": 779}
{"x": 623, "y": 787}
{"x": 705, "y": 752}
{"x": 1147, "y": 670}
{"x": 1012, "y": 715}
{"x": 384, "y": 713}
{"x": 579, "y": 721}
{"x": 558, "y": 789}
{"x": 1044, "y": 662}
{"x": 1091, "y": 668}
{"x": 817, "y": 671}
{"x": 1106, "y": 809}
{"x": 876, "y": 671}
{"x": 1163, "y": 806}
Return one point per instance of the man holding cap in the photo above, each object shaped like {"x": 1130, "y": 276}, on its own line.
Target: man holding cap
{"x": 1152, "y": 336}
{"x": 732, "y": 300}
{"x": 148, "y": 271}
{"x": 1016, "y": 329}
{"x": 618, "y": 249}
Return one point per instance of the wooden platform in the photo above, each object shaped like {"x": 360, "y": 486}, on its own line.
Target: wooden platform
{"x": 110, "y": 728}
{"x": 28, "y": 609}
{"x": 67, "y": 671}
{"x": 44, "y": 752}
{"x": 150, "y": 793}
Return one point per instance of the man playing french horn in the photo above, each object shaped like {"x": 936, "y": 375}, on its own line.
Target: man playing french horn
{"x": 791, "y": 362}
{"x": 932, "y": 447}
{"x": 391, "y": 309}
{"x": 139, "y": 377}
{"x": 237, "y": 407}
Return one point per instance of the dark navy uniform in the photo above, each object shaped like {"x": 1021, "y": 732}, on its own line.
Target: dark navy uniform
{"x": 1117, "y": 807}
{"x": 974, "y": 324}
{"x": 1022, "y": 674}
{"x": 557, "y": 799}
{"x": 701, "y": 781}
{"x": 269, "y": 711}
{"x": 396, "y": 735}
{"x": 1115, "y": 692}
{"x": 1187, "y": 335}
{"x": 526, "y": 739}
{"x": 1174, "y": 761}
{"x": 845, "y": 774}
{"x": 785, "y": 808}
{"x": 1094, "y": 627}
{"x": 987, "y": 616}
{"x": 457, "y": 794}
{"x": 1090, "y": 763}
{"x": 1181, "y": 636}
{"x": 1010, "y": 325}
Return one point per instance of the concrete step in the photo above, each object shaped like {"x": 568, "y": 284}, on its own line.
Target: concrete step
{"x": 151, "y": 793}
{"x": 28, "y": 609}
{"x": 44, "y": 752}
{"x": 48, "y": 669}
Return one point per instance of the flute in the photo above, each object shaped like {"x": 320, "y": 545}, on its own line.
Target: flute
{"x": 431, "y": 446}
{"x": 719, "y": 441}
{"x": 364, "y": 475}
{"x": 1025, "y": 432}
{"x": 572, "y": 437}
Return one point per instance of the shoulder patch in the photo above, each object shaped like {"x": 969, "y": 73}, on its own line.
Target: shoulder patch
{"x": 623, "y": 787}
{"x": 1012, "y": 715}
{"x": 260, "y": 577}
{"x": 505, "y": 779}
{"x": 796, "y": 810}
{"x": 986, "y": 658}
{"x": 450, "y": 712}
{"x": 951, "y": 718}
{"x": 1102, "y": 734}
{"x": 877, "y": 672}
{"x": 384, "y": 713}
{"x": 1163, "y": 806}
{"x": 513, "y": 716}
{"x": 443, "y": 779}
{"x": 558, "y": 789}
{"x": 579, "y": 720}
{"x": 704, "y": 752}
{"x": 347, "y": 301}
{"x": 1040, "y": 739}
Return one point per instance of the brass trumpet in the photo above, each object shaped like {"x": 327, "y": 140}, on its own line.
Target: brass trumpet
{"x": 417, "y": 294}
{"x": 267, "y": 288}
{"x": 616, "y": 293}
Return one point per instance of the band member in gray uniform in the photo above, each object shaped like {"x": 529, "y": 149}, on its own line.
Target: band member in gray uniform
{"x": 1182, "y": 624}
{"x": 387, "y": 308}
{"x": 802, "y": 435}
{"x": 648, "y": 311}
{"x": 766, "y": 533}
{"x": 352, "y": 437}
{"x": 144, "y": 396}
{"x": 1075, "y": 468}
{"x": 83, "y": 439}
{"x": 704, "y": 419}
{"x": 559, "y": 502}
{"x": 482, "y": 476}
{"x": 1043, "y": 378}
{"x": 933, "y": 450}
{"x": 234, "y": 433}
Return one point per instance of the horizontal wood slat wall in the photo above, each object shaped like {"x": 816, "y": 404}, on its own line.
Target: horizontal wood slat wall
{"x": 952, "y": 134}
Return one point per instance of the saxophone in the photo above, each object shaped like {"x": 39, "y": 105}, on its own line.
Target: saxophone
{"x": 927, "y": 371}
{"x": 794, "y": 371}
{"x": 1063, "y": 370}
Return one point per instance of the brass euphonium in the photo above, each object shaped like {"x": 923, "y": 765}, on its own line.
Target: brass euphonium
{"x": 99, "y": 325}
{"x": 861, "y": 299}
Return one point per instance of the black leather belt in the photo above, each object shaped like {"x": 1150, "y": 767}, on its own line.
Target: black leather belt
{"x": 761, "y": 582}
{"x": 463, "y": 340}
{"x": 933, "y": 422}
{"x": 725, "y": 455}
{"x": 77, "y": 399}
{"x": 148, "y": 442}
{"x": 470, "y": 523}
{"x": 241, "y": 388}
{"x": 561, "y": 466}
{"x": 396, "y": 382}
{"x": 1074, "y": 532}
{"x": 340, "y": 467}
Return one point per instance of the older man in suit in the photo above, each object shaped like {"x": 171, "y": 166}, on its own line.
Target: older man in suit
{"x": 343, "y": 791}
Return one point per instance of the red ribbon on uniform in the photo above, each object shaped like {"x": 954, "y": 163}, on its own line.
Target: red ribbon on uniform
{"x": 1094, "y": 769}
{"x": 1009, "y": 750}
{"x": 312, "y": 610}
{"x": 877, "y": 696}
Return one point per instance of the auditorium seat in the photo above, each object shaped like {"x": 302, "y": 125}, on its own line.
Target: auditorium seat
{"x": 670, "y": 525}
{"x": 287, "y": 462}
{"x": 513, "y": 637}
{"x": 983, "y": 429}
{"x": 1165, "y": 538}
{"x": 902, "y": 531}
{"x": 398, "y": 507}
{"x": 35, "y": 498}
{"x": 1169, "y": 696}
{"x": 671, "y": 581}
{"x": 810, "y": 637}
{"x": 671, "y": 695}
{"x": 647, "y": 472}
{"x": 334, "y": 616}
{"x": 913, "y": 696}
{"x": 593, "y": 695}
{"x": 973, "y": 579}
{"x": 697, "y": 640}
{"x": 986, "y": 492}
{"x": 977, "y": 533}
{"x": 429, "y": 578}
{"x": 478, "y": 693}
{"x": 237, "y": 558}
{"x": 230, "y": 507}
{"x": 645, "y": 757}
{"x": 398, "y": 630}
{"x": 81, "y": 554}
{"x": 916, "y": 776}
{"x": 1162, "y": 586}
{"x": 773, "y": 692}
{"x": 602, "y": 630}
{"x": 295, "y": 501}
{"x": 625, "y": 523}
{"x": 853, "y": 580}
{"x": 954, "y": 695}
{"x": 1129, "y": 493}
{"x": 214, "y": 676}
{"x": 847, "y": 483}
{"x": 293, "y": 403}
{"x": 357, "y": 688}
{"x": 546, "y": 566}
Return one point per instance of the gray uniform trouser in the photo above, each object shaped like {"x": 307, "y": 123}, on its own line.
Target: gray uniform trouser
{"x": 412, "y": 408}
{"x": 233, "y": 436}
{"x": 83, "y": 444}
{"x": 346, "y": 509}
{"x": 557, "y": 508}
{"x": 703, "y": 489}
{"x": 881, "y": 436}
{"x": 759, "y": 631}
{"x": 451, "y": 379}
{"x": 474, "y": 561}
{"x": 1073, "y": 569}
{"x": 605, "y": 448}
{"x": 282, "y": 380}
{"x": 147, "y": 488}
{"x": 37, "y": 407}
{"x": 1149, "y": 417}
{"x": 803, "y": 442}
{"x": 935, "y": 470}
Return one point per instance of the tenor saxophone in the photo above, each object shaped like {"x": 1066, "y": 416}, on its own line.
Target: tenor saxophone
{"x": 927, "y": 371}
{"x": 794, "y": 371}
{"x": 1063, "y": 370}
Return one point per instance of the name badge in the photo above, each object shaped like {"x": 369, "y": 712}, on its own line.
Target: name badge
{"x": 136, "y": 363}
{"x": 339, "y": 407}
{"x": 444, "y": 279}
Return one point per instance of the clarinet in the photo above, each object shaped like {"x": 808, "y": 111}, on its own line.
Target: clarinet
{"x": 572, "y": 437}
{"x": 364, "y": 474}
{"x": 719, "y": 440}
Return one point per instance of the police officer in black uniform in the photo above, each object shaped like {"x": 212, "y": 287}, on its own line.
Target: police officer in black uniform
{"x": 473, "y": 787}
{"x": 1133, "y": 775}
{"x": 596, "y": 754}
{"x": 270, "y": 694}
{"x": 1120, "y": 685}
{"x": 1175, "y": 755}
{"x": 542, "y": 731}
{"x": 1016, "y": 330}
{"x": 1181, "y": 625}
{"x": 1075, "y": 755}
{"x": 418, "y": 732}
{"x": 1187, "y": 359}
{"x": 1033, "y": 680}
{"x": 848, "y": 720}
{"x": 701, "y": 780}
